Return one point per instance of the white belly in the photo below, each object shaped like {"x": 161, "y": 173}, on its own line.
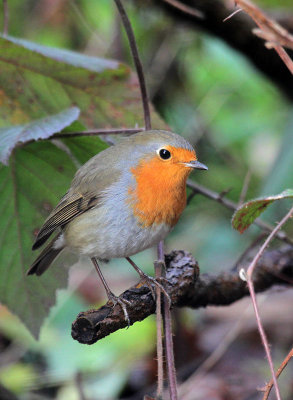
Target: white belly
{"x": 100, "y": 233}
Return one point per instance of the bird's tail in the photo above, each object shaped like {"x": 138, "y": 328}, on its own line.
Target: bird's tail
{"x": 45, "y": 259}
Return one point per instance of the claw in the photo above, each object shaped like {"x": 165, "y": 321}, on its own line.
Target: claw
{"x": 123, "y": 303}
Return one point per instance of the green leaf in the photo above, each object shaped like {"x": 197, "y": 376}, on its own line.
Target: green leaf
{"x": 41, "y": 128}
{"x": 37, "y": 81}
{"x": 248, "y": 212}
{"x": 37, "y": 177}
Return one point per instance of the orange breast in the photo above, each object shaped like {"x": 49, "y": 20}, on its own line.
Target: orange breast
{"x": 160, "y": 192}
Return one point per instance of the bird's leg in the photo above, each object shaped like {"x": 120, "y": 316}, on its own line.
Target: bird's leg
{"x": 111, "y": 296}
{"x": 149, "y": 280}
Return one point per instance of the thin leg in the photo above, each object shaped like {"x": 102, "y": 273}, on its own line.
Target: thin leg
{"x": 111, "y": 296}
{"x": 149, "y": 280}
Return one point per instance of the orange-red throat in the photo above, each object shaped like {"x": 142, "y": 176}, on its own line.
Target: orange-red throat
{"x": 160, "y": 192}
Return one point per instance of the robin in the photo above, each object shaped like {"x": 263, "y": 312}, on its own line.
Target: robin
{"x": 124, "y": 200}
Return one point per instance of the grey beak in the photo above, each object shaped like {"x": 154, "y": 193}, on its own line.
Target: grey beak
{"x": 196, "y": 164}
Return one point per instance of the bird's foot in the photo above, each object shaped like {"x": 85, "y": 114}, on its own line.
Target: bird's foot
{"x": 123, "y": 304}
{"x": 149, "y": 281}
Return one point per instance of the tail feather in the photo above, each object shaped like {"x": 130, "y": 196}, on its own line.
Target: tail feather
{"x": 45, "y": 259}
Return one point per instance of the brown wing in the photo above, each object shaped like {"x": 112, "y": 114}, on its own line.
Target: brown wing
{"x": 69, "y": 207}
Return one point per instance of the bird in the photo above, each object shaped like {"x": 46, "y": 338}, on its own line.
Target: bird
{"x": 125, "y": 199}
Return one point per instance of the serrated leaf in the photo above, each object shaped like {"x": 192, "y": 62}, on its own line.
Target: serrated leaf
{"x": 248, "y": 212}
{"x": 37, "y": 81}
{"x": 41, "y": 128}
{"x": 37, "y": 177}
{"x": 28, "y": 191}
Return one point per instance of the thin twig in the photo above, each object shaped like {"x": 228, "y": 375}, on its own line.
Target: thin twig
{"x": 284, "y": 57}
{"x": 232, "y": 14}
{"x": 263, "y": 337}
{"x": 5, "y": 17}
{"x": 97, "y": 132}
{"x": 170, "y": 352}
{"x": 271, "y": 30}
{"x": 186, "y": 9}
{"x": 254, "y": 301}
{"x": 270, "y": 384}
{"x": 233, "y": 206}
{"x": 169, "y": 348}
{"x": 160, "y": 366}
{"x": 137, "y": 62}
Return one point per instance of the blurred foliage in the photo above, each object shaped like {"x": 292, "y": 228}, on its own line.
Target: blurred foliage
{"x": 238, "y": 122}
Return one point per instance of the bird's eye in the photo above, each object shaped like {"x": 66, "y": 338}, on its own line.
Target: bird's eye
{"x": 164, "y": 154}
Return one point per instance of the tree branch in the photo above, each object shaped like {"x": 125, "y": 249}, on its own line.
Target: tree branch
{"x": 186, "y": 289}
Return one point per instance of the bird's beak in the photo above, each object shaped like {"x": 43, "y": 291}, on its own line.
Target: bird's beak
{"x": 195, "y": 164}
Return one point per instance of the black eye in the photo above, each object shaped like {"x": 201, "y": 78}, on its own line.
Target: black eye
{"x": 164, "y": 154}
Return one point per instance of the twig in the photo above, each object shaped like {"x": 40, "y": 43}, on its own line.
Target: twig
{"x": 170, "y": 352}
{"x": 270, "y": 29}
{"x": 275, "y": 34}
{"x": 137, "y": 62}
{"x": 270, "y": 384}
{"x": 263, "y": 337}
{"x": 186, "y": 9}
{"x": 5, "y": 17}
{"x": 97, "y": 132}
{"x": 169, "y": 348}
{"x": 232, "y": 14}
{"x": 284, "y": 57}
{"x": 233, "y": 206}
{"x": 254, "y": 301}
{"x": 160, "y": 366}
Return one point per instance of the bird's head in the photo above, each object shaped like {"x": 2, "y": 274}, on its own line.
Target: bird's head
{"x": 164, "y": 154}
